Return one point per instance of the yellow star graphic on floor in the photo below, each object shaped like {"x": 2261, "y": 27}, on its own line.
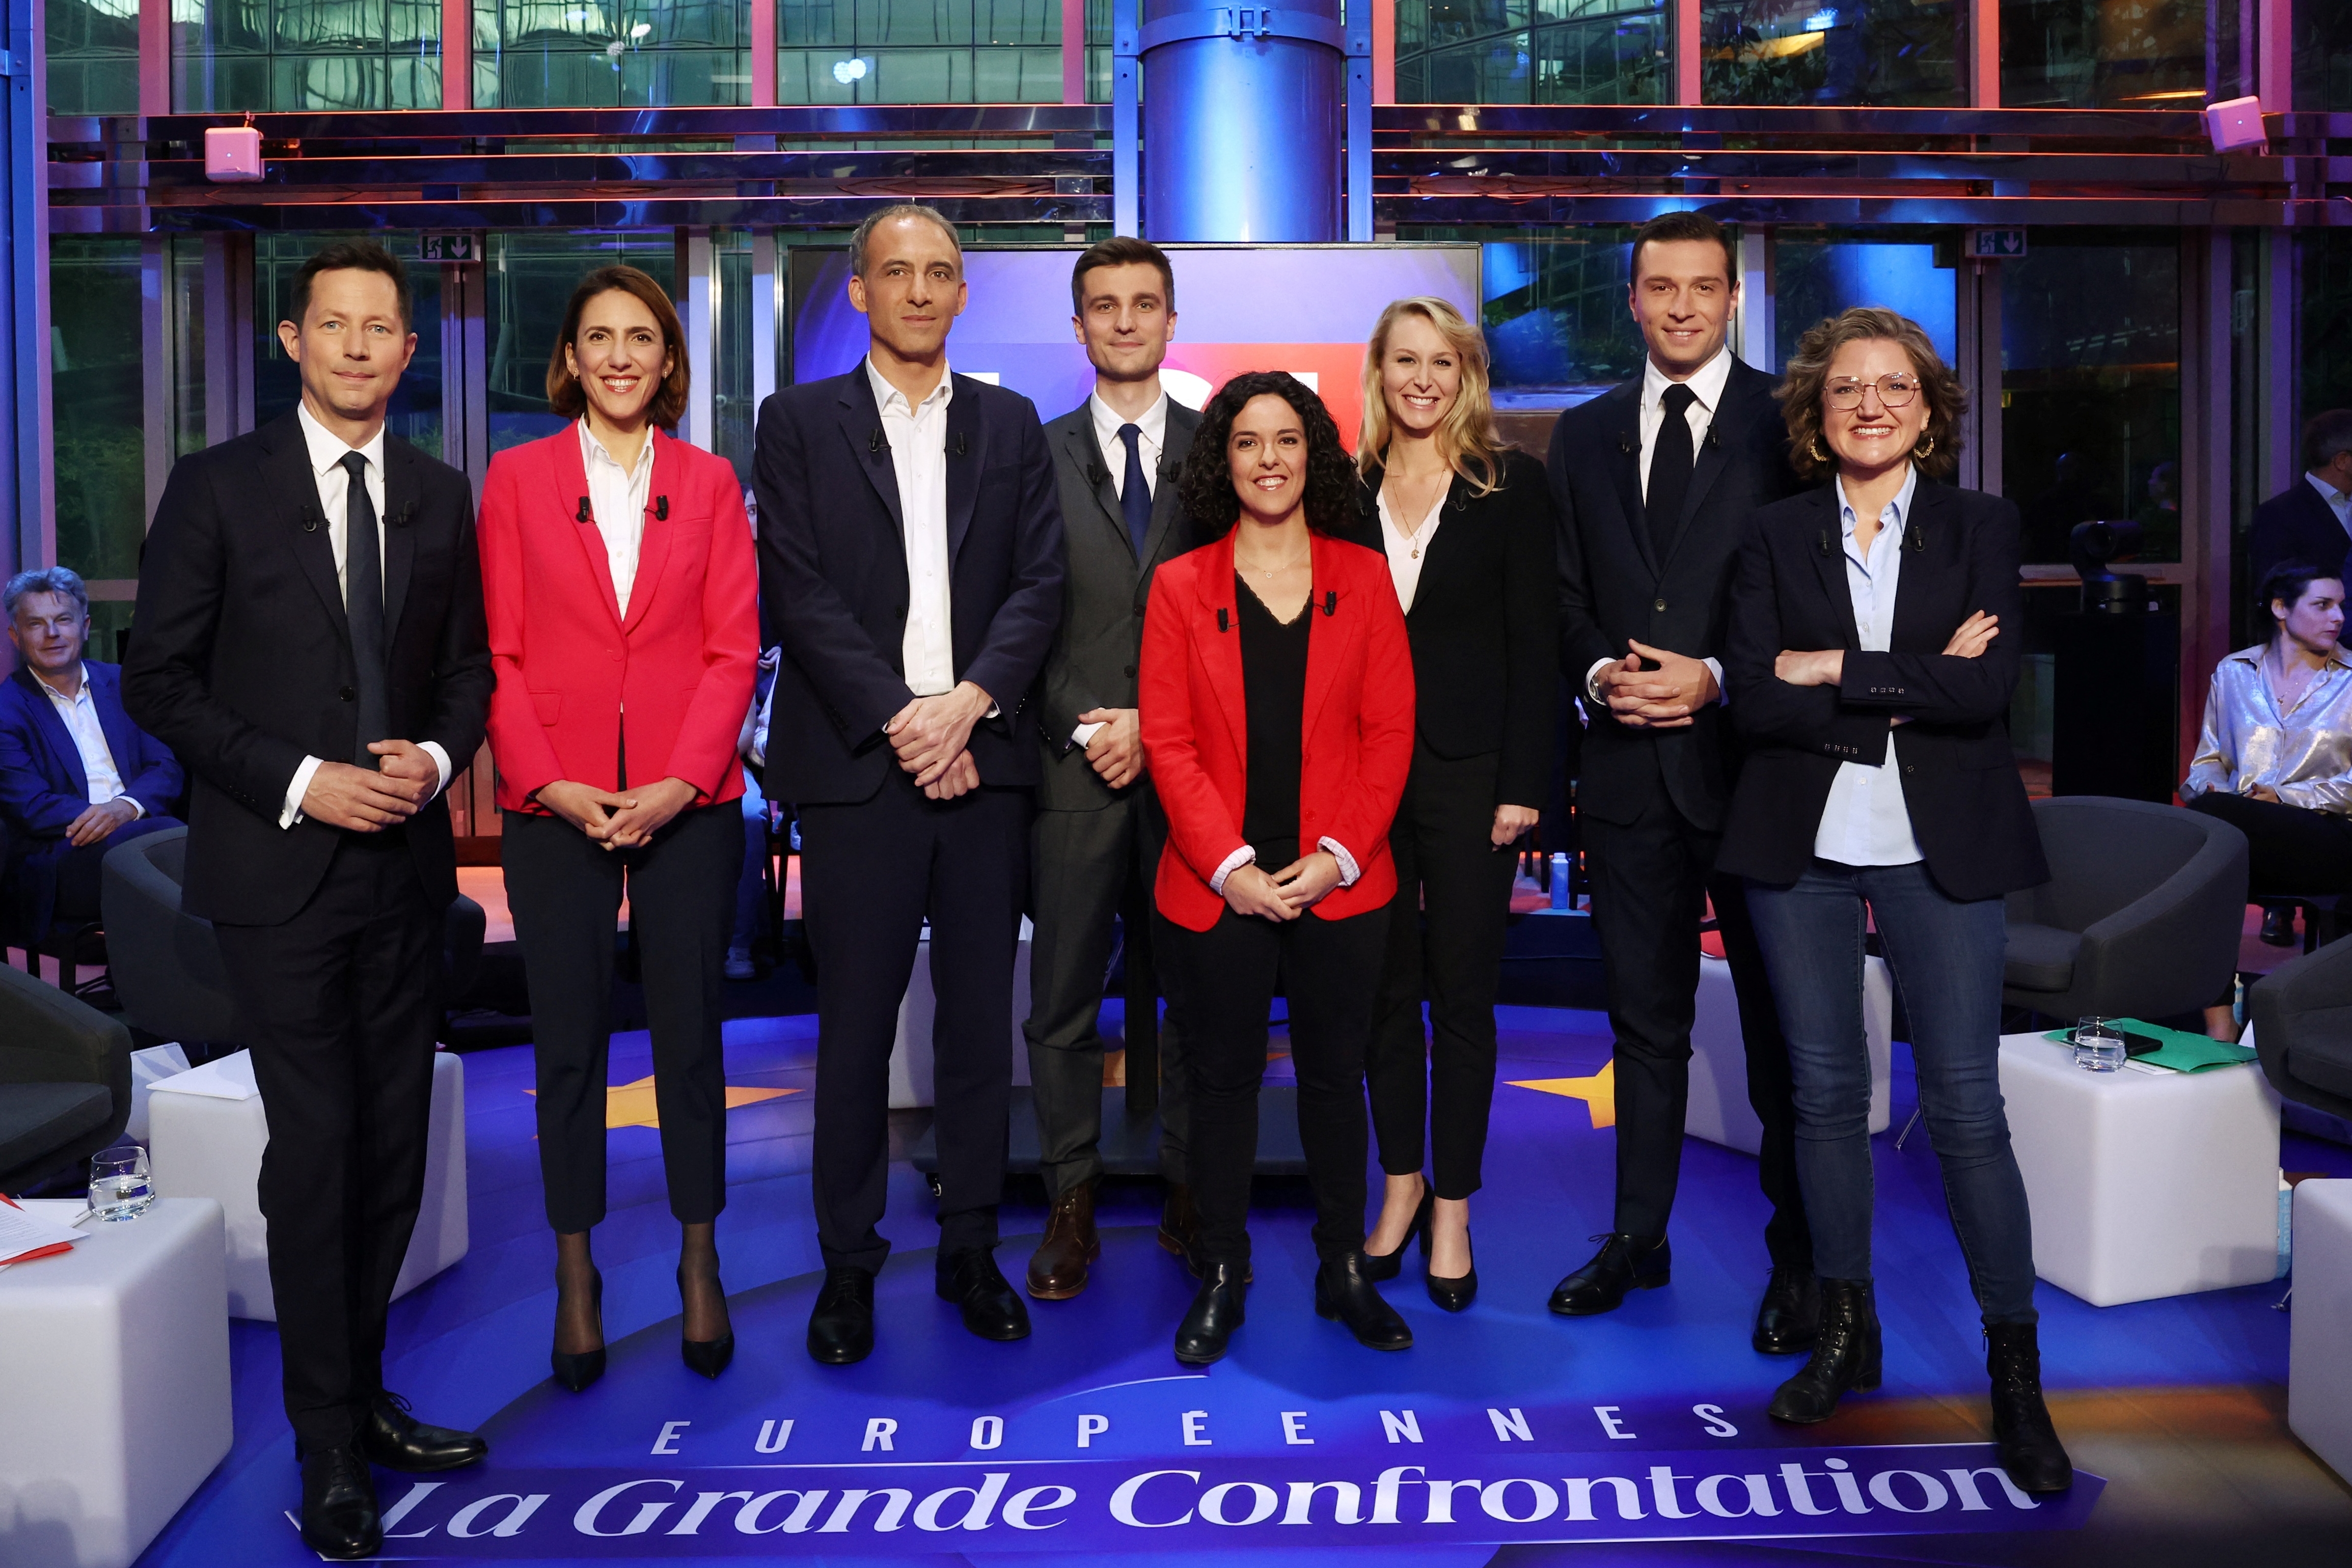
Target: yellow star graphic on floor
{"x": 631, "y": 1104}
{"x": 1598, "y": 1091}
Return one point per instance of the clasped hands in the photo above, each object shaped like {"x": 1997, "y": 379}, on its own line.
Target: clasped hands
{"x": 627, "y": 820}
{"x": 1826, "y": 666}
{"x": 1286, "y": 893}
{"x": 368, "y": 800}
{"x": 932, "y": 736}
{"x": 1663, "y": 698}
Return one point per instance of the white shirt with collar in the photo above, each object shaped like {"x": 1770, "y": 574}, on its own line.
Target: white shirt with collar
{"x": 1149, "y": 444}
{"x": 616, "y": 499}
{"x": 1867, "y": 821}
{"x": 918, "y": 436}
{"x": 327, "y": 450}
{"x": 2338, "y": 502}
{"x": 79, "y": 714}
{"x": 1707, "y": 384}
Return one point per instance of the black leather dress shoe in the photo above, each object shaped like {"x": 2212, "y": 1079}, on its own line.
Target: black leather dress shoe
{"x": 2021, "y": 1429}
{"x": 1623, "y": 1263}
{"x": 991, "y": 1307}
{"x": 1790, "y": 1314}
{"x": 841, "y": 1326}
{"x": 1215, "y": 1313}
{"x": 1342, "y": 1292}
{"x": 339, "y": 1513}
{"x": 393, "y": 1438}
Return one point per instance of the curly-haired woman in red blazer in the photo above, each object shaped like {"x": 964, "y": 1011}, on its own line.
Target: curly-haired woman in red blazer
{"x": 618, "y": 572}
{"x": 1276, "y": 695}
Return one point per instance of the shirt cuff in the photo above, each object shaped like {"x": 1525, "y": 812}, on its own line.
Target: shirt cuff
{"x": 1234, "y": 862}
{"x": 1083, "y": 734}
{"x": 1722, "y": 692}
{"x": 440, "y": 760}
{"x": 296, "y": 790}
{"x": 1349, "y": 872}
{"x": 1592, "y": 692}
{"x": 137, "y": 811}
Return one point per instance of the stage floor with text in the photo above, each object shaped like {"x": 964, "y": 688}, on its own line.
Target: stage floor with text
{"x": 1505, "y": 1436}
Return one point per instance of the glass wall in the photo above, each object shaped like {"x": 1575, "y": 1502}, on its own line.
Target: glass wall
{"x": 2113, "y": 53}
{"x": 416, "y": 413}
{"x": 2323, "y": 54}
{"x": 289, "y": 55}
{"x": 1556, "y": 315}
{"x": 2090, "y": 391}
{"x": 2323, "y": 276}
{"x": 592, "y": 54}
{"x": 1533, "y": 51}
{"x": 93, "y": 48}
{"x": 1851, "y": 51}
{"x": 732, "y": 410}
{"x": 1818, "y": 272}
{"x": 921, "y": 51}
{"x": 531, "y": 279}
{"x": 96, "y": 383}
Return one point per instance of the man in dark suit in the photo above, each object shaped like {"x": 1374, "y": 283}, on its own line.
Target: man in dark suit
{"x": 909, "y": 554}
{"x": 1655, "y": 479}
{"x": 310, "y": 643}
{"x": 1095, "y": 846}
{"x": 77, "y": 777}
{"x": 2311, "y": 521}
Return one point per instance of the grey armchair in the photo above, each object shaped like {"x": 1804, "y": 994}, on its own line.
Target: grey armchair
{"x": 2141, "y": 915}
{"x": 2301, "y": 1014}
{"x": 65, "y": 1080}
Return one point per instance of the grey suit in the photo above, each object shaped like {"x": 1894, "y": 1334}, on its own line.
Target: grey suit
{"x": 1094, "y": 851}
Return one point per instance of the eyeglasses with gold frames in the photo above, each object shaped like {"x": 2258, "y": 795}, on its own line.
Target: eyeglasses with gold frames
{"x": 1894, "y": 389}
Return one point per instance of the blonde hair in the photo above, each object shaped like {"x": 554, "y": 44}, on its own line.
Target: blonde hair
{"x": 1466, "y": 437}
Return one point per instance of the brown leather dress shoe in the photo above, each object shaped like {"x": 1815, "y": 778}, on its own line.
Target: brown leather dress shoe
{"x": 1057, "y": 1270}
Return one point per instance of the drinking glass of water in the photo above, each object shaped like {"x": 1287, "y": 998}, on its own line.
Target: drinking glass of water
{"x": 119, "y": 1186}
{"x": 2099, "y": 1045}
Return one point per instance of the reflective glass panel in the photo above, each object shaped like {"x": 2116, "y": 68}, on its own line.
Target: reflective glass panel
{"x": 416, "y": 413}
{"x": 2107, "y": 53}
{"x": 1830, "y": 51}
{"x": 1819, "y": 272}
{"x": 292, "y": 55}
{"x": 922, "y": 51}
{"x": 531, "y": 278}
{"x": 2323, "y": 54}
{"x": 2323, "y": 318}
{"x": 98, "y": 391}
{"x": 1556, "y": 316}
{"x": 589, "y": 53}
{"x": 2090, "y": 430}
{"x": 1532, "y": 51}
{"x": 732, "y": 305}
{"x": 93, "y": 48}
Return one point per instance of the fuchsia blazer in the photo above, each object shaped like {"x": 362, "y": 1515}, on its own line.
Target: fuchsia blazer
{"x": 572, "y": 675}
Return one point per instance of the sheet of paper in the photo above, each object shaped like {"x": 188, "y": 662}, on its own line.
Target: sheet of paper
{"x": 22, "y": 1232}
{"x": 230, "y": 1078}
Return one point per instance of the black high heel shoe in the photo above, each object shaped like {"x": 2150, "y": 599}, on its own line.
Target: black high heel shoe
{"x": 577, "y": 1371}
{"x": 708, "y": 1357}
{"x": 1457, "y": 1294}
{"x": 1380, "y": 1267}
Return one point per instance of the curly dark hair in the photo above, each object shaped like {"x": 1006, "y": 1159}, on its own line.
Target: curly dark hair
{"x": 1206, "y": 488}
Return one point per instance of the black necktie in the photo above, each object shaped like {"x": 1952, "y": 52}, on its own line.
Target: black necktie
{"x": 364, "y": 600}
{"x": 1670, "y": 470}
{"x": 1135, "y": 495}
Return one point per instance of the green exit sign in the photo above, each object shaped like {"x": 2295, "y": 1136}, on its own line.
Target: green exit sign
{"x": 1993, "y": 244}
{"x": 450, "y": 244}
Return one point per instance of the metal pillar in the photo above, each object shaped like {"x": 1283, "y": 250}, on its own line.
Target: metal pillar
{"x": 1242, "y": 110}
{"x": 27, "y": 475}
{"x": 698, "y": 295}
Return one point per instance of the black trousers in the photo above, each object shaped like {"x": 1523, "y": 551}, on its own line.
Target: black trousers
{"x": 79, "y": 882}
{"x": 870, "y": 874}
{"x": 564, "y": 889}
{"x": 1651, "y": 881}
{"x": 1087, "y": 870}
{"x": 339, "y": 1006}
{"x": 1444, "y": 943}
{"x": 2294, "y": 849}
{"x": 1228, "y": 975}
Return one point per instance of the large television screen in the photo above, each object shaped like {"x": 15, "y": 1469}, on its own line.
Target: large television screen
{"x": 1302, "y": 308}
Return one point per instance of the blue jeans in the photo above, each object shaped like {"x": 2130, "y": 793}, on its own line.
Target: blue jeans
{"x": 1946, "y": 955}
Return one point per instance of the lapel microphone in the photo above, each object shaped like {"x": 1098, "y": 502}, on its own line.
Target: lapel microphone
{"x": 1624, "y": 444}
{"x": 309, "y": 522}
{"x": 962, "y": 443}
{"x": 1914, "y": 540}
{"x": 1224, "y": 620}
{"x": 1330, "y": 602}
{"x": 583, "y": 515}
{"x": 400, "y": 518}
{"x": 661, "y": 508}
{"x": 874, "y": 442}
{"x": 1828, "y": 551}
{"x": 1711, "y": 438}
{"x": 1098, "y": 478}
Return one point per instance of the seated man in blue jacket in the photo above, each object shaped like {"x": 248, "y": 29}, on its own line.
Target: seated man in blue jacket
{"x": 77, "y": 777}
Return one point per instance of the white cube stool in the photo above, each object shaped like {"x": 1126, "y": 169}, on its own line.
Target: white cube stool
{"x": 209, "y": 1147}
{"x": 114, "y": 1405}
{"x": 2319, "y": 1369}
{"x": 910, "y": 1054}
{"x": 1719, "y": 1109}
{"x": 2143, "y": 1184}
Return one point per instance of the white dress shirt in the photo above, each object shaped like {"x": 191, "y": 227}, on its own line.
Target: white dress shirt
{"x": 2338, "y": 501}
{"x": 1153, "y": 441}
{"x": 918, "y": 456}
{"x": 1865, "y": 821}
{"x": 1405, "y": 550}
{"x": 1707, "y": 384}
{"x": 79, "y": 714}
{"x": 616, "y": 499}
{"x": 327, "y": 450}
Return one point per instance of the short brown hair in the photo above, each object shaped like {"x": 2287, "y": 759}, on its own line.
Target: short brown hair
{"x": 565, "y": 393}
{"x": 1120, "y": 250}
{"x": 2325, "y": 434}
{"x": 1809, "y": 373}
{"x": 352, "y": 256}
{"x": 1669, "y": 227}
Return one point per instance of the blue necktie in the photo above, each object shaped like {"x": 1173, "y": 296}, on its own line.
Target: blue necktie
{"x": 1135, "y": 494}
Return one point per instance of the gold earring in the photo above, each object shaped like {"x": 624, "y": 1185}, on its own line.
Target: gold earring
{"x": 1815, "y": 449}
{"x": 1921, "y": 453}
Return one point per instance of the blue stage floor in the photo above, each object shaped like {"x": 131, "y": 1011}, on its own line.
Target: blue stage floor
{"x": 1505, "y": 1434}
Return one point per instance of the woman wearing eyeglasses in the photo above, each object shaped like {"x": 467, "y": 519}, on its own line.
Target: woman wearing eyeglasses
{"x": 1871, "y": 654}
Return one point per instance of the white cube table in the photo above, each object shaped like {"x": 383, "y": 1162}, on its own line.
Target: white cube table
{"x": 1719, "y": 1109}
{"x": 910, "y": 1054}
{"x": 114, "y": 1401}
{"x": 2319, "y": 1369}
{"x": 205, "y": 1147}
{"x": 2143, "y": 1184}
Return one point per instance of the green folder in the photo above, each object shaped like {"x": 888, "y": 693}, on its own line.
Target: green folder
{"x": 2180, "y": 1052}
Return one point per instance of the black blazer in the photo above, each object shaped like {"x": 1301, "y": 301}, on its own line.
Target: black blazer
{"x": 243, "y": 661}
{"x": 833, "y": 579}
{"x": 1612, "y": 588}
{"x": 2295, "y": 524}
{"x": 1485, "y": 625}
{"x": 1099, "y": 640}
{"x": 1968, "y": 804}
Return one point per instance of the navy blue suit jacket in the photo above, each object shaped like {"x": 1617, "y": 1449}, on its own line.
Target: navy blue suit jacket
{"x": 43, "y": 786}
{"x": 833, "y": 581}
{"x": 2295, "y": 524}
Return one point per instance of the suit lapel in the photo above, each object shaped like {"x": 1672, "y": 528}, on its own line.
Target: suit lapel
{"x": 965, "y": 452}
{"x": 1220, "y": 650}
{"x": 1622, "y": 433}
{"x": 654, "y": 536}
{"x": 1827, "y": 549}
{"x": 572, "y": 477}
{"x": 1327, "y": 653}
{"x": 1088, "y": 454}
{"x": 1167, "y": 505}
{"x": 289, "y": 478}
{"x": 1442, "y": 549}
{"x": 402, "y": 492}
{"x": 1931, "y": 516}
{"x": 1731, "y": 412}
{"x": 861, "y": 427}
{"x": 53, "y": 730}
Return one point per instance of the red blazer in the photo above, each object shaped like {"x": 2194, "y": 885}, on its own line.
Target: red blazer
{"x": 674, "y": 679}
{"x": 1358, "y": 732}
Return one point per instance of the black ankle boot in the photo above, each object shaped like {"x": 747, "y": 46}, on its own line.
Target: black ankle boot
{"x": 2021, "y": 1429}
{"x": 1342, "y": 1292}
{"x": 1846, "y": 1355}
{"x": 1215, "y": 1313}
